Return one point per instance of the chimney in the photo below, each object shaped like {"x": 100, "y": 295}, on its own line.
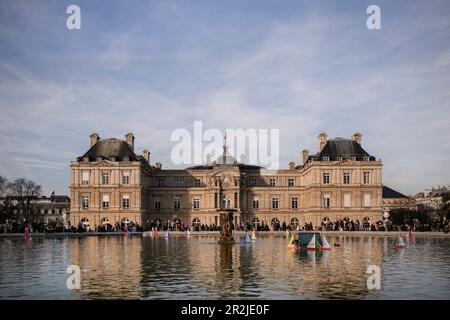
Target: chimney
{"x": 129, "y": 139}
{"x": 305, "y": 154}
{"x": 322, "y": 139}
{"x": 291, "y": 165}
{"x": 94, "y": 138}
{"x": 146, "y": 155}
{"x": 357, "y": 137}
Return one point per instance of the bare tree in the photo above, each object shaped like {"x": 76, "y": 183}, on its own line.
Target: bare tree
{"x": 3, "y": 186}
{"x": 25, "y": 192}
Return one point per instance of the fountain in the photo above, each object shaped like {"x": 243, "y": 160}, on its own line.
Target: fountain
{"x": 226, "y": 220}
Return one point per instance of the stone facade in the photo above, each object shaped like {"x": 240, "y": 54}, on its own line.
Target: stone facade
{"x": 110, "y": 184}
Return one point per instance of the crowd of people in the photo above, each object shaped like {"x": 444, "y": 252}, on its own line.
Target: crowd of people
{"x": 344, "y": 224}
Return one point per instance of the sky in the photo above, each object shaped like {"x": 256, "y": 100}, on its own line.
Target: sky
{"x": 151, "y": 67}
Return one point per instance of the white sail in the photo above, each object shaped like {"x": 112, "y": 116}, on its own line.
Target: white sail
{"x": 312, "y": 243}
{"x": 325, "y": 244}
{"x": 287, "y": 233}
{"x": 401, "y": 243}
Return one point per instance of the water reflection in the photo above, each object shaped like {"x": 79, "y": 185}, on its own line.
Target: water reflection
{"x": 198, "y": 268}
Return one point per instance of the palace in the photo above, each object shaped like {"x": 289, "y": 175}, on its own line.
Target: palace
{"x": 110, "y": 183}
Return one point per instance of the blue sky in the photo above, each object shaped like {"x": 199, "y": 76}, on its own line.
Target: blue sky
{"x": 151, "y": 67}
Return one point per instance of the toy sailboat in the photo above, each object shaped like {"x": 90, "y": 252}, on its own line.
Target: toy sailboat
{"x": 314, "y": 244}
{"x": 287, "y": 233}
{"x": 246, "y": 238}
{"x": 325, "y": 244}
{"x": 253, "y": 235}
{"x": 400, "y": 243}
{"x": 188, "y": 232}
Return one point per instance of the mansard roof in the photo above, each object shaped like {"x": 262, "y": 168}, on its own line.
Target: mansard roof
{"x": 389, "y": 193}
{"x": 345, "y": 148}
{"x": 110, "y": 148}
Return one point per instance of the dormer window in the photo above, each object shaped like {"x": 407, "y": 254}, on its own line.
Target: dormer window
{"x": 326, "y": 159}
{"x": 86, "y": 159}
{"x": 112, "y": 159}
{"x": 339, "y": 159}
{"x": 352, "y": 158}
{"x": 99, "y": 159}
{"x": 366, "y": 158}
{"x": 126, "y": 159}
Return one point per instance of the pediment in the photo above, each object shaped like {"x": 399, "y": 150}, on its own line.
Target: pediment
{"x": 106, "y": 163}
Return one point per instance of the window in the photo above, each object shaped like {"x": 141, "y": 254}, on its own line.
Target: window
{"x": 272, "y": 182}
{"x": 347, "y": 200}
{"x": 105, "y": 178}
{"x": 294, "y": 203}
{"x": 290, "y": 182}
{"x": 179, "y": 182}
{"x": 85, "y": 202}
{"x": 366, "y": 177}
{"x": 198, "y": 182}
{"x": 53, "y": 211}
{"x": 126, "y": 178}
{"x": 60, "y": 211}
{"x": 236, "y": 182}
{"x": 105, "y": 201}
{"x": 126, "y": 201}
{"x": 338, "y": 158}
{"x": 366, "y": 158}
{"x": 253, "y": 182}
{"x": 177, "y": 204}
{"x": 255, "y": 204}
{"x": 367, "y": 200}
{"x": 85, "y": 177}
{"x": 275, "y": 203}
{"x": 157, "y": 204}
{"x": 352, "y": 158}
{"x": 326, "y": 178}
{"x": 326, "y": 159}
{"x": 346, "y": 177}
{"x": 196, "y": 203}
{"x": 255, "y": 223}
{"x": 326, "y": 201}
{"x": 160, "y": 182}
{"x": 112, "y": 159}
{"x": 126, "y": 159}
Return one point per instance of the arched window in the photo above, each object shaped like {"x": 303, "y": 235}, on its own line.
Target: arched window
{"x": 85, "y": 221}
{"x": 177, "y": 220}
{"x": 255, "y": 222}
{"x": 126, "y": 221}
{"x": 105, "y": 221}
{"x": 294, "y": 222}
{"x": 275, "y": 221}
{"x": 196, "y": 222}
